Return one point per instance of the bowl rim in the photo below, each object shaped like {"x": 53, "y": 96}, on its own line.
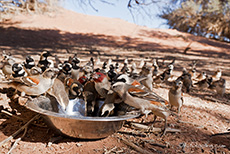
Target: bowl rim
{"x": 30, "y": 105}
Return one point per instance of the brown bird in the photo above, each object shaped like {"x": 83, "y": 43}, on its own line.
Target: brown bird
{"x": 108, "y": 106}
{"x": 146, "y": 73}
{"x": 58, "y": 91}
{"x": 91, "y": 95}
{"x": 145, "y": 104}
{"x": 73, "y": 87}
{"x": 186, "y": 79}
{"x": 175, "y": 95}
{"x": 34, "y": 85}
{"x": 217, "y": 75}
{"x": 219, "y": 86}
{"x": 102, "y": 84}
{"x": 201, "y": 76}
{"x": 205, "y": 83}
{"x": 7, "y": 64}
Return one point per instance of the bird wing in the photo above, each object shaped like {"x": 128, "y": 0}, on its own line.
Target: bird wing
{"x": 28, "y": 81}
{"x": 148, "y": 95}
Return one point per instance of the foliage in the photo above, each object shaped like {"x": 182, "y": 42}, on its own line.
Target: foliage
{"x": 10, "y": 7}
{"x": 210, "y": 18}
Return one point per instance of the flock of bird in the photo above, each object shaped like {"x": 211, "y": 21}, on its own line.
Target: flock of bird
{"x": 120, "y": 85}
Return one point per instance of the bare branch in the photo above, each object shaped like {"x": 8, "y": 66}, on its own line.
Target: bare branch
{"x": 92, "y": 6}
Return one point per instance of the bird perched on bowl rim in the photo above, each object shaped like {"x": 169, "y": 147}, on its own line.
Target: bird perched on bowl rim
{"x": 91, "y": 96}
{"x": 175, "y": 95}
{"x": 145, "y": 92}
{"x": 28, "y": 64}
{"x": 57, "y": 90}
{"x": 33, "y": 85}
{"x": 112, "y": 74}
{"x": 102, "y": 84}
{"x": 128, "y": 93}
{"x": 73, "y": 87}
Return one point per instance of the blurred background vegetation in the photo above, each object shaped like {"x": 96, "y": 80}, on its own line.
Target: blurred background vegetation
{"x": 207, "y": 18}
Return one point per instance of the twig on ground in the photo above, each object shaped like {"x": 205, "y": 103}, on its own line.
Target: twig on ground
{"x": 110, "y": 151}
{"x": 152, "y": 142}
{"x": 134, "y": 146}
{"x": 10, "y": 114}
{"x": 139, "y": 126}
{"x": 172, "y": 130}
{"x": 16, "y": 141}
{"x": 152, "y": 129}
{"x": 133, "y": 133}
{"x": 18, "y": 131}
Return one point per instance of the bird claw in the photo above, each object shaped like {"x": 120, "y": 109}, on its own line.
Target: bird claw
{"x": 163, "y": 132}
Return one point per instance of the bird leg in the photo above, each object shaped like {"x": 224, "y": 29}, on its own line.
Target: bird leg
{"x": 164, "y": 130}
{"x": 179, "y": 109}
{"x": 154, "y": 119}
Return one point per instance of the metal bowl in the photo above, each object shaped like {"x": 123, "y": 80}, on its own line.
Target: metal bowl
{"x": 76, "y": 124}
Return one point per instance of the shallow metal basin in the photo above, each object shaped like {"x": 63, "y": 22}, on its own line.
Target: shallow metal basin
{"x": 76, "y": 124}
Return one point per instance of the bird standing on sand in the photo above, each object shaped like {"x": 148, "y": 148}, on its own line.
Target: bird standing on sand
{"x": 219, "y": 86}
{"x": 7, "y": 63}
{"x": 146, "y": 73}
{"x": 217, "y": 75}
{"x": 175, "y": 95}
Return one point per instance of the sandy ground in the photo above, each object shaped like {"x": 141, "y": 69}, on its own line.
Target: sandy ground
{"x": 66, "y": 33}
